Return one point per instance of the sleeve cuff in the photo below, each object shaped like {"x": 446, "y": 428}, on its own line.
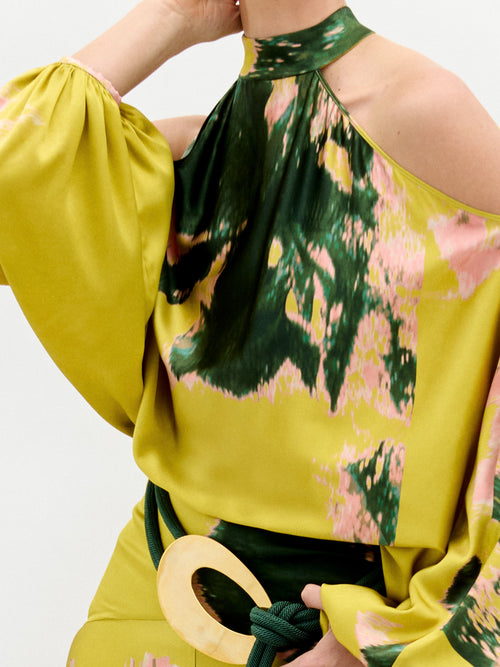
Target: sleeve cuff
{"x": 97, "y": 75}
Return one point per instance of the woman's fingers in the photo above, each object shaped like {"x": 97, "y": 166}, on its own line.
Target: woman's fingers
{"x": 328, "y": 652}
{"x": 311, "y": 596}
{"x": 207, "y": 20}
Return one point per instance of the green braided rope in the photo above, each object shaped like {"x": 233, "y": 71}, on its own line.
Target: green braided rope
{"x": 285, "y": 626}
{"x": 155, "y": 499}
{"x": 152, "y": 525}
{"x": 168, "y": 513}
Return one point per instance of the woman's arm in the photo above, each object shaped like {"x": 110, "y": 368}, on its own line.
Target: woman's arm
{"x": 180, "y": 132}
{"x": 153, "y": 32}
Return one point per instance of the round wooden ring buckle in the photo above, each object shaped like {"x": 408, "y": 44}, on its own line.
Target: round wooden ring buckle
{"x": 182, "y": 608}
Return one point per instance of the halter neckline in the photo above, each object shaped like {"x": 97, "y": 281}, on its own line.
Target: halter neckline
{"x": 302, "y": 51}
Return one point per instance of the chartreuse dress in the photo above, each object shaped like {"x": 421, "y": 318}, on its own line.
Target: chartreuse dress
{"x": 305, "y": 355}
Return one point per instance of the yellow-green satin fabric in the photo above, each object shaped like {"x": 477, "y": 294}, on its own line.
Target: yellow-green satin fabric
{"x": 86, "y": 190}
{"x": 126, "y": 626}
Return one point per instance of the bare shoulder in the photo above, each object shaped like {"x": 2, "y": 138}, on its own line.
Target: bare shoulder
{"x": 440, "y": 132}
{"x": 426, "y": 119}
{"x": 180, "y": 132}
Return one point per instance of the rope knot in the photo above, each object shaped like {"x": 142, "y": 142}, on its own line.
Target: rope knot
{"x": 284, "y": 626}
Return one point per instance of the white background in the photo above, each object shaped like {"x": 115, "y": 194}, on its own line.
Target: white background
{"x": 67, "y": 479}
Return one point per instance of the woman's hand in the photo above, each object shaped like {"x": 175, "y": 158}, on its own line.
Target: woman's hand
{"x": 206, "y": 20}
{"x": 328, "y": 652}
{"x": 153, "y": 32}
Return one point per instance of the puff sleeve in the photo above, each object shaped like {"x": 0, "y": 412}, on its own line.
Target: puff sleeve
{"x": 86, "y": 189}
{"x": 442, "y": 608}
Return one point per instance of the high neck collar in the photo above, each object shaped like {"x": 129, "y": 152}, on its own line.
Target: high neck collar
{"x": 304, "y": 50}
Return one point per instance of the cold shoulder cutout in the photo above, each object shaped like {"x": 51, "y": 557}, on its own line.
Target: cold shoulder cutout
{"x": 311, "y": 348}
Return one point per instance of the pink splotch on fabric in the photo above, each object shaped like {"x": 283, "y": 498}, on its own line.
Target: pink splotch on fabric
{"x": 483, "y": 485}
{"x": 287, "y": 381}
{"x": 347, "y": 505}
{"x": 150, "y": 661}
{"x": 280, "y": 103}
{"x": 29, "y": 113}
{"x": 367, "y": 379}
{"x": 470, "y": 248}
{"x": 373, "y": 630}
{"x": 396, "y": 266}
{"x": 283, "y": 96}
{"x": 326, "y": 114}
{"x": 212, "y": 527}
{"x": 392, "y": 197}
{"x": 480, "y": 624}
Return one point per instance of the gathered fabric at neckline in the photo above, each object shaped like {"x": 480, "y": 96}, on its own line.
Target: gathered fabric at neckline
{"x": 304, "y": 50}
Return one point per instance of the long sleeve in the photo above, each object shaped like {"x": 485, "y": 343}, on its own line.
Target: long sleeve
{"x": 86, "y": 188}
{"x": 449, "y": 613}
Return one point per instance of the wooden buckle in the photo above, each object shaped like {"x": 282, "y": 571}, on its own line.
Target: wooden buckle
{"x": 182, "y": 608}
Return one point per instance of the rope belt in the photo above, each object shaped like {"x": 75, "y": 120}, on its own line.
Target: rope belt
{"x": 284, "y": 626}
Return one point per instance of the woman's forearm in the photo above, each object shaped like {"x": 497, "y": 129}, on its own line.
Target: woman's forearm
{"x": 137, "y": 45}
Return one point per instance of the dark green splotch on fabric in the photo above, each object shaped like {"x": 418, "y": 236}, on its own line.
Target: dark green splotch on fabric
{"x": 382, "y": 656}
{"x": 401, "y": 364}
{"x": 256, "y": 177}
{"x": 463, "y": 582}
{"x": 381, "y": 495}
{"x": 240, "y": 189}
{"x": 496, "y": 503}
{"x": 471, "y": 637}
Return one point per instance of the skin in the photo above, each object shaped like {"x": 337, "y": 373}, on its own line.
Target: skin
{"x": 265, "y": 18}
{"x": 152, "y": 33}
{"x": 423, "y": 116}
{"x": 328, "y": 652}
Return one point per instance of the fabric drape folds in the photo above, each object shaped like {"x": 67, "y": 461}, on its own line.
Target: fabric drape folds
{"x": 86, "y": 192}
{"x": 311, "y": 349}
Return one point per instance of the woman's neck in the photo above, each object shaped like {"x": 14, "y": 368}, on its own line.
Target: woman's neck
{"x": 266, "y": 18}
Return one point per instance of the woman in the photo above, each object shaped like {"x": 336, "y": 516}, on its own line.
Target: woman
{"x": 310, "y": 240}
